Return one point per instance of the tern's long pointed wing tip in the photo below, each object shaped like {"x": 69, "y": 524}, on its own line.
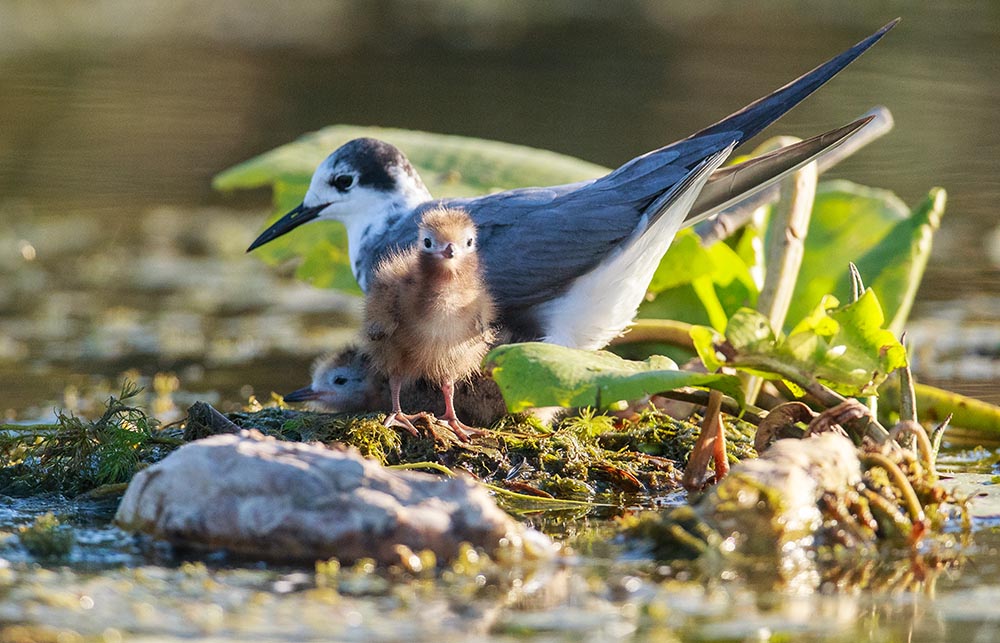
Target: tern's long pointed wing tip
{"x": 731, "y": 184}
{"x": 759, "y": 114}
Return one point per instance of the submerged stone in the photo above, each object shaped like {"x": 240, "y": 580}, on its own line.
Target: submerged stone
{"x": 286, "y": 501}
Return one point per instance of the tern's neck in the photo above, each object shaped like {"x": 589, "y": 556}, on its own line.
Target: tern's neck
{"x": 372, "y": 219}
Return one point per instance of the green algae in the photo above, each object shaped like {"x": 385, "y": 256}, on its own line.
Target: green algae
{"x": 74, "y": 456}
{"x": 47, "y": 538}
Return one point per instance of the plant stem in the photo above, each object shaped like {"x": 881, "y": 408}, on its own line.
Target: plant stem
{"x": 750, "y": 414}
{"x": 825, "y": 396}
{"x": 788, "y": 229}
{"x": 656, "y": 330}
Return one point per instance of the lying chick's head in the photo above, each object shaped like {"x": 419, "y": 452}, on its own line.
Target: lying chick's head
{"x": 339, "y": 381}
{"x": 446, "y": 234}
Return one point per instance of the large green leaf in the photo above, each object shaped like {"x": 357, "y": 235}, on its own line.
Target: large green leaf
{"x": 895, "y": 267}
{"x": 878, "y": 232}
{"x": 449, "y": 165}
{"x": 698, "y": 284}
{"x": 538, "y": 375}
{"x": 848, "y": 348}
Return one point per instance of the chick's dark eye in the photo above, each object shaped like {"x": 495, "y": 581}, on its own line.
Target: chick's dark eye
{"x": 342, "y": 181}
{"x": 469, "y": 243}
{"x": 340, "y": 381}
{"x": 427, "y": 242}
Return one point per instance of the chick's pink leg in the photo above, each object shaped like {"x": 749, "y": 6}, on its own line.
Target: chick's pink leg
{"x": 397, "y": 417}
{"x": 461, "y": 430}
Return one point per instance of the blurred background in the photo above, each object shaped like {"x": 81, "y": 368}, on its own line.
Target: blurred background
{"x": 117, "y": 259}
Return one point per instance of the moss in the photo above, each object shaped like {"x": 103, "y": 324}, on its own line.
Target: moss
{"x": 590, "y": 456}
{"x": 47, "y": 538}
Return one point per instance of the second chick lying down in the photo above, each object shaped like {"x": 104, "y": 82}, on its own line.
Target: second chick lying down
{"x": 345, "y": 381}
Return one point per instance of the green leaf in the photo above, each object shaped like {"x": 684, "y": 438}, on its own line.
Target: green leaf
{"x": 696, "y": 284}
{"x": 538, "y": 375}
{"x": 449, "y": 165}
{"x": 750, "y": 331}
{"x": 685, "y": 261}
{"x": 847, "y": 348}
{"x": 871, "y": 227}
{"x": 861, "y": 352}
{"x": 705, "y": 340}
{"x": 819, "y": 320}
{"x": 894, "y": 268}
{"x": 877, "y": 231}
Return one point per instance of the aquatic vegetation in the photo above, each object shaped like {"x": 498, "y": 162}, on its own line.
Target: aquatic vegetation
{"x": 74, "y": 455}
{"x": 589, "y": 457}
{"x": 593, "y": 464}
{"x": 706, "y": 282}
{"x": 814, "y": 508}
{"x": 47, "y": 537}
{"x": 846, "y": 348}
{"x": 535, "y": 374}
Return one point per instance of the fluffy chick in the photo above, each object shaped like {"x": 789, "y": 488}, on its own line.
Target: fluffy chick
{"x": 428, "y": 314}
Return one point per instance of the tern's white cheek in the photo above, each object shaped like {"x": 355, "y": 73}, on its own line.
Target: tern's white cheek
{"x": 310, "y": 200}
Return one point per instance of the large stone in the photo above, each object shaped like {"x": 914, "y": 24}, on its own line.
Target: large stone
{"x": 257, "y": 496}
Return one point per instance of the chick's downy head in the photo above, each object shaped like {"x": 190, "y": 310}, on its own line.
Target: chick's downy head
{"x": 341, "y": 381}
{"x": 446, "y": 234}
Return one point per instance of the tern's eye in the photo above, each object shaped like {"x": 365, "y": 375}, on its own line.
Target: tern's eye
{"x": 342, "y": 181}
{"x": 469, "y": 242}
{"x": 427, "y": 242}
{"x": 340, "y": 381}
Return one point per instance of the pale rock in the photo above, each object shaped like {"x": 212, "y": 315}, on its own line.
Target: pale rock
{"x": 256, "y": 496}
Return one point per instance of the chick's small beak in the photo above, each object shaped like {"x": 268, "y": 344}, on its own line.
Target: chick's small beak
{"x": 301, "y": 395}
{"x": 448, "y": 252}
{"x": 301, "y": 214}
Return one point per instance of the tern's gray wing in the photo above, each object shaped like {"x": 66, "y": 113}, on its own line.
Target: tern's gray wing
{"x": 534, "y": 242}
{"x": 736, "y": 183}
{"x": 533, "y": 245}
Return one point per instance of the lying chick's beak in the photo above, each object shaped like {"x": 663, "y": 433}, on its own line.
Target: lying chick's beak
{"x": 301, "y": 395}
{"x": 448, "y": 252}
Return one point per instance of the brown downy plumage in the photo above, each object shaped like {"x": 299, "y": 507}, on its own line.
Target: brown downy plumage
{"x": 428, "y": 314}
